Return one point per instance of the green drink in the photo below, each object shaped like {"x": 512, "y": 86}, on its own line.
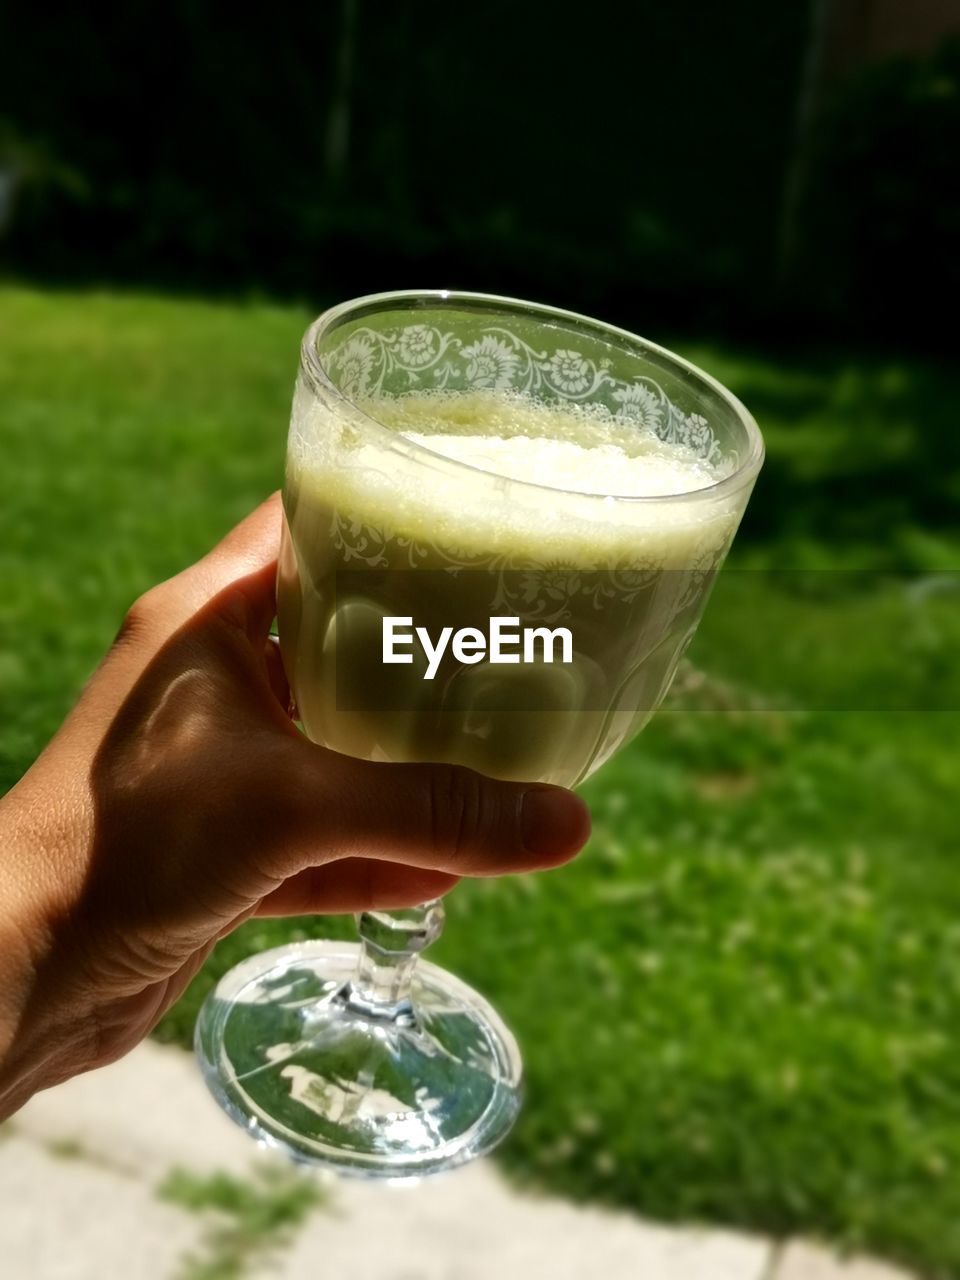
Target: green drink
{"x": 501, "y": 526}
{"x": 361, "y": 545}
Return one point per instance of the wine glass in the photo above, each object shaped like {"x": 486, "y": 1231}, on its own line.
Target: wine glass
{"x": 455, "y": 458}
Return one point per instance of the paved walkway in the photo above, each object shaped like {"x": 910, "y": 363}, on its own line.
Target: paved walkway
{"x": 81, "y": 1165}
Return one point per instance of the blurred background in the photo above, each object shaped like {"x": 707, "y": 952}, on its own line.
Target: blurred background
{"x": 743, "y": 166}
{"x": 741, "y": 1007}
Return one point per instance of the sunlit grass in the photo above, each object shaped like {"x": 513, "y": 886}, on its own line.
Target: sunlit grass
{"x": 741, "y": 1003}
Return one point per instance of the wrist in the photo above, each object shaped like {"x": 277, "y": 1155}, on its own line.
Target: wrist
{"x": 18, "y": 977}
{"x": 28, "y": 1017}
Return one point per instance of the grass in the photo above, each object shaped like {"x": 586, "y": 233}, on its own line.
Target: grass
{"x": 742, "y": 1004}
{"x": 249, "y": 1219}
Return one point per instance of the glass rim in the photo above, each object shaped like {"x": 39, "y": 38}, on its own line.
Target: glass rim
{"x": 312, "y": 365}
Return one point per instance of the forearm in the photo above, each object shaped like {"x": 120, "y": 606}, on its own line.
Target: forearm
{"x": 47, "y": 1028}
{"x": 18, "y": 979}
{"x": 37, "y": 1035}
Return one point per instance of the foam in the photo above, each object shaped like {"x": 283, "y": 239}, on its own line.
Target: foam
{"x": 603, "y": 467}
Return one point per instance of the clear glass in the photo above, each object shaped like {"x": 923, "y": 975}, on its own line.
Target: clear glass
{"x": 365, "y": 1057}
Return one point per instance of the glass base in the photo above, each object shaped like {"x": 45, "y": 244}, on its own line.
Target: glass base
{"x": 294, "y": 1057}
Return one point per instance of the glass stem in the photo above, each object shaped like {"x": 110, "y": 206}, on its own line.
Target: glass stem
{"x": 390, "y": 942}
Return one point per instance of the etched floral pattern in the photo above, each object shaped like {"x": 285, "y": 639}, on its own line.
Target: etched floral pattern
{"x": 553, "y": 584}
{"x": 535, "y": 591}
{"x": 629, "y": 579}
{"x": 569, "y": 372}
{"x": 638, "y": 403}
{"x": 491, "y": 362}
{"x": 704, "y": 562}
{"x": 354, "y": 362}
{"x": 698, "y": 433}
{"x": 369, "y": 362}
{"x": 417, "y": 345}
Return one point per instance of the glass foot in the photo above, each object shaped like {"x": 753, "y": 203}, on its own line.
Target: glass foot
{"x": 291, "y": 1054}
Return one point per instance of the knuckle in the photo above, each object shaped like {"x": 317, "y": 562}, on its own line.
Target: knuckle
{"x": 141, "y": 618}
{"x": 457, "y": 808}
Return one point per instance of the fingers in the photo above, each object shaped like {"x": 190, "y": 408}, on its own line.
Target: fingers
{"x": 435, "y": 817}
{"x": 356, "y": 884}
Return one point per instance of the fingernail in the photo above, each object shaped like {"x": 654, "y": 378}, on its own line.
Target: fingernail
{"x": 553, "y": 822}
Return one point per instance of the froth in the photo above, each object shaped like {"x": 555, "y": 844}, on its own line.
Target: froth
{"x": 581, "y": 469}
{"x": 603, "y": 469}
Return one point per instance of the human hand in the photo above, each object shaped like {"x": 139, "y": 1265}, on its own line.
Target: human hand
{"x": 178, "y": 800}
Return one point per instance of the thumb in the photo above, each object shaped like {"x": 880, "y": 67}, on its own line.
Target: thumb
{"x": 438, "y": 817}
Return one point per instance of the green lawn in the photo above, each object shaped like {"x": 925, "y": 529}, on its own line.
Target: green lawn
{"x": 742, "y": 1004}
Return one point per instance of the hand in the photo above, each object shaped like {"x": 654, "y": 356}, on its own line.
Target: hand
{"x": 178, "y": 800}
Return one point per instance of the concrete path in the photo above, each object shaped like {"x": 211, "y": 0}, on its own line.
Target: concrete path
{"x": 81, "y": 1167}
